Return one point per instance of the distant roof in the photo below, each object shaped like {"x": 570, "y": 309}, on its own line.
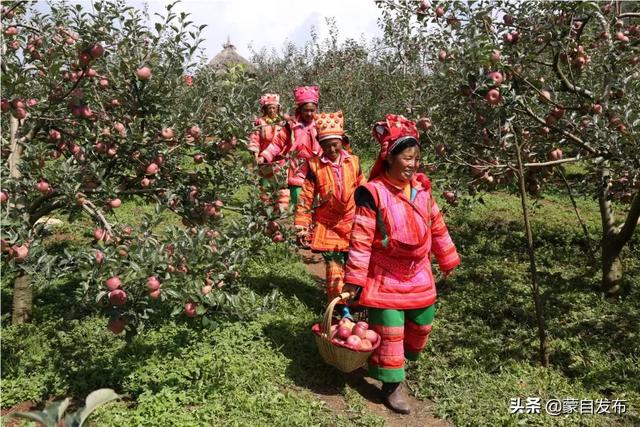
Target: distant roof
{"x": 228, "y": 57}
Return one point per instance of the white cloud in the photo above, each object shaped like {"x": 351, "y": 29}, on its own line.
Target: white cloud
{"x": 269, "y": 24}
{"x": 266, "y": 23}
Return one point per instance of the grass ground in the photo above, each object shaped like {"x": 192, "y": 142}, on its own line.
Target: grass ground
{"x": 263, "y": 371}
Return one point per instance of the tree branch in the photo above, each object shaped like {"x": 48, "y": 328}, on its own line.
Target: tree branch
{"x": 630, "y": 223}
{"x": 96, "y": 213}
{"x": 565, "y": 82}
{"x": 577, "y": 141}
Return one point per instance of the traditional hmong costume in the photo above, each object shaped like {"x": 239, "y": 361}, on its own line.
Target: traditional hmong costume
{"x": 327, "y": 201}
{"x": 397, "y": 228}
{"x": 297, "y": 140}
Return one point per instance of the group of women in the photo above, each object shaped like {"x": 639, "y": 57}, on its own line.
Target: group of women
{"x": 377, "y": 236}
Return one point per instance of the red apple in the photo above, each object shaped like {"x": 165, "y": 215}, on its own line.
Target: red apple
{"x": 167, "y": 133}
{"x": 19, "y": 252}
{"x": 153, "y": 284}
{"x": 442, "y": 55}
{"x": 117, "y": 325}
{"x": 118, "y": 297}
{"x": 152, "y": 169}
{"x": 103, "y": 83}
{"x": 495, "y": 56}
{"x": 497, "y": 77}
{"x": 198, "y": 158}
{"x": 190, "y": 309}
{"x": 206, "y": 289}
{"x": 366, "y": 345}
{"x": 113, "y": 283}
{"x": 277, "y": 237}
{"x": 99, "y": 257}
{"x": 596, "y": 109}
{"x": 622, "y": 37}
{"x": 43, "y": 187}
{"x": 439, "y": 11}
{"x": 424, "y": 123}
{"x": 449, "y": 196}
{"x": 195, "y": 131}
{"x": 20, "y": 113}
{"x": 143, "y": 73}
{"x": 372, "y": 336}
{"x": 145, "y": 182}
{"x": 4, "y": 196}
{"x": 154, "y": 294}
{"x": 115, "y": 203}
{"x": 54, "y": 135}
{"x": 343, "y": 332}
{"x": 359, "y": 330}
{"x": 354, "y": 342}
{"x": 440, "y": 149}
{"x": 555, "y": 154}
{"x": 96, "y": 51}
{"x": 493, "y": 97}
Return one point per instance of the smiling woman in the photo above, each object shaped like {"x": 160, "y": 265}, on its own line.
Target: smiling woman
{"x": 397, "y": 226}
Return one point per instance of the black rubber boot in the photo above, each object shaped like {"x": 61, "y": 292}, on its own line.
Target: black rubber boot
{"x": 395, "y": 397}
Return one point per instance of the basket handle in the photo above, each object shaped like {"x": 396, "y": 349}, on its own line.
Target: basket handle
{"x": 326, "y": 320}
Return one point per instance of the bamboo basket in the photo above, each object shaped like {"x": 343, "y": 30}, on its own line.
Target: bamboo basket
{"x": 342, "y": 358}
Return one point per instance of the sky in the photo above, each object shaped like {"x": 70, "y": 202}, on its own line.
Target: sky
{"x": 269, "y": 24}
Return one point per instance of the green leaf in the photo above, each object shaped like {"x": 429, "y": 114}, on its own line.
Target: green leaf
{"x": 96, "y": 399}
{"x": 39, "y": 416}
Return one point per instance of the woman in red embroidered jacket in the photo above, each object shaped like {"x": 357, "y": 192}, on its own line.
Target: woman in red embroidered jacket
{"x": 266, "y": 128}
{"x": 397, "y": 228}
{"x": 297, "y": 140}
{"x": 327, "y": 200}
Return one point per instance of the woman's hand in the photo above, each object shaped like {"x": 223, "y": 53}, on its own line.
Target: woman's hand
{"x": 351, "y": 289}
{"x": 260, "y": 160}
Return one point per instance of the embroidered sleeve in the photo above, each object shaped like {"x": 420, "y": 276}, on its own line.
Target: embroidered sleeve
{"x": 442, "y": 246}
{"x": 254, "y": 142}
{"x": 362, "y": 235}
{"x": 277, "y": 146}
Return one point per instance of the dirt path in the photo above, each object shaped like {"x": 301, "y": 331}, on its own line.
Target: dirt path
{"x": 422, "y": 410}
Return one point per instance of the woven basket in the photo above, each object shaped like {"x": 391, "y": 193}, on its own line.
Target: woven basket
{"x": 345, "y": 359}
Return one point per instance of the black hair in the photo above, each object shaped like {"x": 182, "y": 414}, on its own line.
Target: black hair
{"x": 407, "y": 142}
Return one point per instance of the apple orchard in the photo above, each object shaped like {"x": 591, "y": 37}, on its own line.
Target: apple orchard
{"x": 99, "y": 110}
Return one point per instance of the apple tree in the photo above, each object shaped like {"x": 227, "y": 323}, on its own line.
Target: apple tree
{"x": 100, "y": 109}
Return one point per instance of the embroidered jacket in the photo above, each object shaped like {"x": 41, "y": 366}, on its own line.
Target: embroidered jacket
{"x": 332, "y": 185}
{"x": 298, "y": 138}
{"x": 392, "y": 240}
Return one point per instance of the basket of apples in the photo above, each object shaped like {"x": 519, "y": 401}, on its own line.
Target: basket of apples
{"x": 344, "y": 344}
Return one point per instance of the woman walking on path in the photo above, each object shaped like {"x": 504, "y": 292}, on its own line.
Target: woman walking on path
{"x": 332, "y": 179}
{"x": 297, "y": 140}
{"x": 397, "y": 227}
{"x": 266, "y": 129}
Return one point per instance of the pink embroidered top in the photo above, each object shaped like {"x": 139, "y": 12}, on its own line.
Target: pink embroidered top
{"x": 392, "y": 241}
{"x": 304, "y": 142}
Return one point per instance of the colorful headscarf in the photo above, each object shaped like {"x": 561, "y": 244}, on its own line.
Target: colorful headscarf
{"x": 304, "y": 94}
{"x": 390, "y": 133}
{"x": 269, "y": 99}
{"x": 329, "y": 125}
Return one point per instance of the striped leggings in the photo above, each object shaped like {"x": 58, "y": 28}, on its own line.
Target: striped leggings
{"x": 404, "y": 334}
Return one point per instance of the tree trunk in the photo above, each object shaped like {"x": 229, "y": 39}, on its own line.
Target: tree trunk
{"x": 614, "y": 237}
{"x": 22, "y": 291}
{"x": 22, "y": 300}
{"x": 612, "y": 268}
{"x": 543, "y": 349}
